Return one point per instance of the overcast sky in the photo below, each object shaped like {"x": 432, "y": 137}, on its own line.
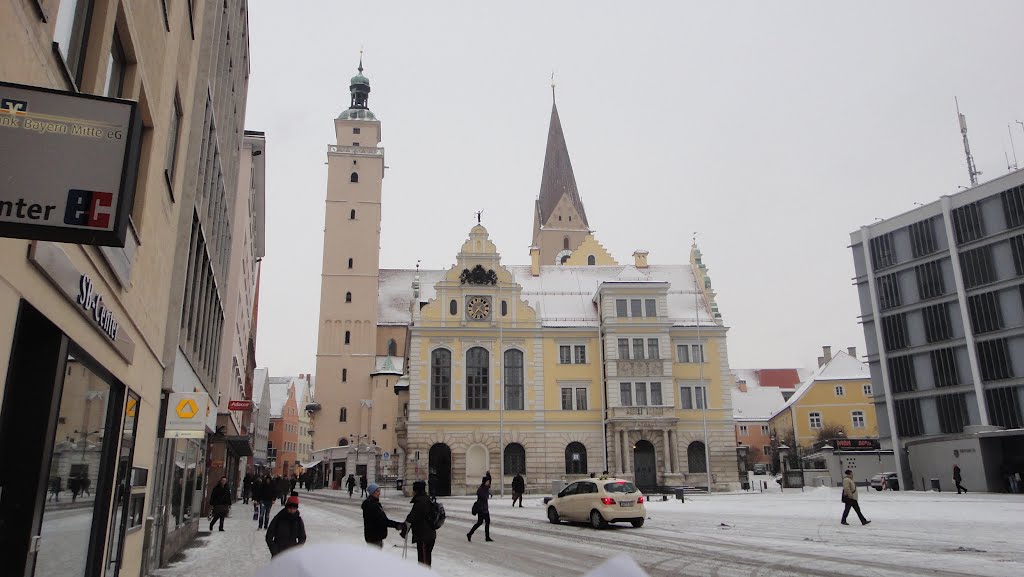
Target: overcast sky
{"x": 771, "y": 129}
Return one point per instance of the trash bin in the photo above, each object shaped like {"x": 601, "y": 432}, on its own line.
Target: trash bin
{"x": 681, "y": 494}
{"x": 935, "y": 485}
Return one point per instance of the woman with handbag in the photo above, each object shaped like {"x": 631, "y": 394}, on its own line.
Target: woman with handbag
{"x": 850, "y": 498}
{"x": 482, "y": 511}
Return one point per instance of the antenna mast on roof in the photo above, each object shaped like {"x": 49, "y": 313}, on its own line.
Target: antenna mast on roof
{"x": 1013, "y": 148}
{"x": 971, "y": 169}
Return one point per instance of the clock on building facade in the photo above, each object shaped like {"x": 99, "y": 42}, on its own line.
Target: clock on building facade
{"x": 478, "y": 308}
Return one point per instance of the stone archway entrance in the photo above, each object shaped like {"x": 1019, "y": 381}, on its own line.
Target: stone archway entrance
{"x": 439, "y": 481}
{"x": 645, "y": 465}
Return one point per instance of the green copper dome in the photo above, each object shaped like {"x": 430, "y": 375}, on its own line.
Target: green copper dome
{"x": 359, "y": 79}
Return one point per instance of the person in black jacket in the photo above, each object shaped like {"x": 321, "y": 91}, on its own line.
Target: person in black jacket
{"x": 362, "y": 486}
{"x": 351, "y": 484}
{"x": 287, "y": 529}
{"x": 268, "y": 495}
{"x": 375, "y": 520}
{"x": 483, "y": 513}
{"x": 246, "y": 488}
{"x": 220, "y": 502}
{"x": 518, "y": 488}
{"x": 419, "y": 519}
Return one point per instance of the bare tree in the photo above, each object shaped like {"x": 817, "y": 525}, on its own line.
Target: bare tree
{"x": 831, "y": 431}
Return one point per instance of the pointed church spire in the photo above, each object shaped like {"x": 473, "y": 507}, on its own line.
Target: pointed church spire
{"x": 558, "y": 180}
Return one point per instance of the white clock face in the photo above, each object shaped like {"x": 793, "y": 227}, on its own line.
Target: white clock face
{"x": 478, "y": 308}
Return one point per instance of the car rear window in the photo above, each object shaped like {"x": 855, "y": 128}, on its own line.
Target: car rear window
{"x": 620, "y": 487}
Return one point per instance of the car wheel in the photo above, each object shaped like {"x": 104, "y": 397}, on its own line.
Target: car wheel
{"x": 878, "y": 488}
{"x": 553, "y": 516}
{"x": 597, "y": 521}
{"x": 637, "y": 523}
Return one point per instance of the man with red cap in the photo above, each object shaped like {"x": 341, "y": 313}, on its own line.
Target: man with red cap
{"x": 287, "y": 529}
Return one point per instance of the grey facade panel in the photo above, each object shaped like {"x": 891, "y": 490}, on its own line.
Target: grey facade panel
{"x": 1010, "y": 307}
{"x": 858, "y": 261}
{"x": 1002, "y": 259}
{"x": 864, "y": 295}
{"x": 923, "y": 372}
{"x": 870, "y": 340}
{"x": 929, "y": 416}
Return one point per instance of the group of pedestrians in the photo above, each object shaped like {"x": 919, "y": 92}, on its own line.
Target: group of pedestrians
{"x": 350, "y": 483}
{"x": 421, "y": 520}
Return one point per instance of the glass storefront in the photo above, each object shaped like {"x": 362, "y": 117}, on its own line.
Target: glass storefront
{"x": 187, "y": 483}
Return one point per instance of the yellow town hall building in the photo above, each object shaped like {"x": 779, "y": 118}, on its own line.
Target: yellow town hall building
{"x": 571, "y": 365}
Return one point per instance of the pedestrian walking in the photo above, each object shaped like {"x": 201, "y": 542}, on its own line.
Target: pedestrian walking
{"x": 74, "y": 485}
{"x": 351, "y": 484}
{"x": 220, "y": 502}
{"x": 286, "y": 530}
{"x": 256, "y": 494}
{"x": 482, "y": 512}
{"x": 267, "y": 497}
{"x": 518, "y": 488}
{"x": 957, "y": 478}
{"x": 293, "y": 482}
{"x": 85, "y": 486}
{"x": 420, "y": 520}
{"x": 55, "y": 489}
{"x": 375, "y": 520}
{"x": 283, "y": 489}
{"x": 246, "y": 488}
{"x": 850, "y": 499}
{"x": 362, "y": 486}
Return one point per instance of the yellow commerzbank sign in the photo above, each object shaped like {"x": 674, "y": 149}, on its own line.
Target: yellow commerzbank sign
{"x": 186, "y": 415}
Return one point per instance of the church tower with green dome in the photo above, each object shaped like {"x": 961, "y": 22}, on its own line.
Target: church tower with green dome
{"x": 351, "y": 264}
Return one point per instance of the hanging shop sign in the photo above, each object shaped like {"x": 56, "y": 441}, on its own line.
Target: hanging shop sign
{"x": 69, "y": 163}
{"x": 240, "y": 405}
{"x": 186, "y": 415}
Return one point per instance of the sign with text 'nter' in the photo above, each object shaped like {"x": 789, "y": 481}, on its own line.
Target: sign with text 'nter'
{"x": 68, "y": 165}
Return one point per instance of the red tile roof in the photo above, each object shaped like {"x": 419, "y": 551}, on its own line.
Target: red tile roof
{"x": 782, "y": 378}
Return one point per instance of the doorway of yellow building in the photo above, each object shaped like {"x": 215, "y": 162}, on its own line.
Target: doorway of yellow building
{"x": 440, "y": 480}
{"x": 645, "y": 465}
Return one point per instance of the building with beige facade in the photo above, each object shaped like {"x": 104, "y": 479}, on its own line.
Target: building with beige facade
{"x": 571, "y": 365}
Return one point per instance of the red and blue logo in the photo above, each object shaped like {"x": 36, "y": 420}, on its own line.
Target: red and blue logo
{"x": 89, "y": 208}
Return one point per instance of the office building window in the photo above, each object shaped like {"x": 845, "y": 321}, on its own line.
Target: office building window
{"x": 566, "y": 398}
{"x": 937, "y": 326}
{"x": 894, "y": 332}
{"x": 883, "y": 251}
{"x": 929, "y": 280}
{"x": 172, "y": 139}
{"x": 815, "y": 420}
{"x": 1013, "y": 206}
{"x": 650, "y": 308}
{"x": 690, "y": 353}
{"x": 908, "y": 417}
{"x": 514, "y": 392}
{"x": 976, "y": 266}
{"x": 858, "y": 420}
{"x": 994, "y": 360}
{"x": 1003, "y": 407}
{"x": 623, "y": 349}
{"x": 640, "y": 396}
{"x": 656, "y": 399}
{"x": 952, "y": 412}
{"x": 565, "y": 354}
{"x": 700, "y": 394}
{"x": 581, "y": 398}
{"x": 635, "y": 309}
{"x": 579, "y": 354}
{"x": 620, "y": 308}
{"x": 968, "y": 223}
{"x": 902, "y": 377}
{"x": 888, "y": 291}
{"x": 116, "y": 67}
{"x": 986, "y": 315}
{"x": 478, "y": 371}
{"x": 652, "y": 349}
{"x": 685, "y": 397}
{"x": 638, "y": 349}
{"x": 922, "y": 237}
{"x": 626, "y": 394}
{"x": 71, "y": 33}
{"x": 1017, "y": 248}
{"x": 441, "y": 379}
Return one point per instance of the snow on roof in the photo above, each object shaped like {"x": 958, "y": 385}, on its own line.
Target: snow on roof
{"x": 756, "y": 403}
{"x": 279, "y": 394}
{"x": 561, "y": 295}
{"x": 842, "y": 367}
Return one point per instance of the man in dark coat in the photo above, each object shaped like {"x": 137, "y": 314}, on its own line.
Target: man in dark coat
{"x": 362, "y": 486}
{"x": 957, "y": 478}
{"x": 375, "y": 520}
{"x": 220, "y": 502}
{"x": 286, "y": 530}
{"x": 351, "y": 484}
{"x": 518, "y": 488}
{"x": 419, "y": 519}
{"x": 483, "y": 513}
{"x": 267, "y": 497}
{"x": 283, "y": 489}
{"x": 246, "y": 488}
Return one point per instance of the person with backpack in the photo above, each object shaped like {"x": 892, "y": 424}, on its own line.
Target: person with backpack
{"x": 351, "y": 484}
{"x": 362, "y": 486}
{"x": 424, "y": 521}
{"x": 481, "y": 510}
{"x": 518, "y": 488}
{"x": 375, "y": 520}
{"x": 287, "y": 530}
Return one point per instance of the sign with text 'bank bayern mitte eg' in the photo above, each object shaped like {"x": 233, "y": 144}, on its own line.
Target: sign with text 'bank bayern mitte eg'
{"x": 186, "y": 415}
{"x": 68, "y": 165}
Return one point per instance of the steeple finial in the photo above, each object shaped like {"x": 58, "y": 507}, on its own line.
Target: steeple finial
{"x": 552, "y": 86}
{"x": 360, "y": 59}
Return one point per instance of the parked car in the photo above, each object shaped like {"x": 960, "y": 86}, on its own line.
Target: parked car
{"x": 599, "y": 502}
{"x": 891, "y": 481}
{"x": 760, "y": 469}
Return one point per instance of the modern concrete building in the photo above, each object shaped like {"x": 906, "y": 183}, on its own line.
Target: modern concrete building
{"x": 570, "y": 365}
{"x": 941, "y": 292}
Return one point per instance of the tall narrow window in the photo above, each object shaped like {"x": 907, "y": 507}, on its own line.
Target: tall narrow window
{"x": 952, "y": 411}
{"x": 504, "y": 308}
{"x": 115, "y": 68}
{"x": 908, "y": 417}
{"x": 441, "y": 379}
{"x": 564, "y": 354}
{"x": 514, "y": 380}
{"x": 685, "y": 398}
{"x": 994, "y": 360}
{"x": 71, "y": 34}
{"x": 620, "y": 308}
{"x": 478, "y": 372}
{"x": 172, "y": 140}
{"x": 344, "y": 375}
{"x": 515, "y": 459}
{"x": 575, "y": 459}
{"x": 1013, "y": 206}
{"x": 348, "y": 297}
{"x": 626, "y": 394}
{"x": 565, "y": 243}
{"x": 623, "y": 349}
{"x": 894, "y": 332}
{"x": 348, "y": 337}
{"x": 566, "y": 398}
{"x": 638, "y": 349}
{"x": 392, "y": 348}
{"x": 701, "y": 397}
{"x": 579, "y": 354}
{"x": 635, "y": 308}
{"x": 641, "y": 394}
{"x": 929, "y": 280}
{"x": 352, "y": 214}
{"x": 968, "y": 223}
{"x": 650, "y": 308}
{"x": 354, "y": 177}
{"x": 656, "y": 399}
{"x": 985, "y": 312}
{"x": 652, "y": 349}
{"x": 883, "y": 251}
{"x": 453, "y": 307}
{"x": 888, "y": 291}
{"x": 902, "y": 376}
{"x": 922, "y": 237}
{"x": 350, "y": 263}
{"x": 937, "y": 326}
{"x": 977, "y": 266}
{"x": 581, "y": 399}
{"x": 591, "y": 261}
{"x": 858, "y": 420}
{"x": 343, "y": 415}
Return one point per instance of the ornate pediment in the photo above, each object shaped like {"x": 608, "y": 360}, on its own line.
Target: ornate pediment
{"x": 478, "y": 276}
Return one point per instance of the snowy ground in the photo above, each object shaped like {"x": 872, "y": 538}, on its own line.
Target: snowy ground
{"x": 765, "y": 534}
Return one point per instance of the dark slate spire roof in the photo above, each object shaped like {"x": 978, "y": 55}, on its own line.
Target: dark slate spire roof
{"x": 558, "y": 179}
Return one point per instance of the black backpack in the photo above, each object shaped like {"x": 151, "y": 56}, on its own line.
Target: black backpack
{"x": 436, "y": 516}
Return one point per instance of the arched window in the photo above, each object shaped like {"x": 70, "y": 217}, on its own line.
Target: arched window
{"x": 591, "y": 260}
{"x": 453, "y": 307}
{"x": 343, "y": 415}
{"x": 350, "y": 262}
{"x": 565, "y": 243}
{"x": 514, "y": 380}
{"x": 348, "y": 337}
{"x": 343, "y": 442}
{"x": 477, "y": 379}
{"x": 344, "y": 375}
{"x": 348, "y": 297}
{"x": 696, "y": 457}
{"x": 354, "y": 177}
{"x": 392, "y": 348}
{"x": 441, "y": 379}
{"x": 504, "y": 308}
{"x": 575, "y": 459}
{"x": 564, "y": 258}
{"x": 352, "y": 215}
{"x": 515, "y": 459}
